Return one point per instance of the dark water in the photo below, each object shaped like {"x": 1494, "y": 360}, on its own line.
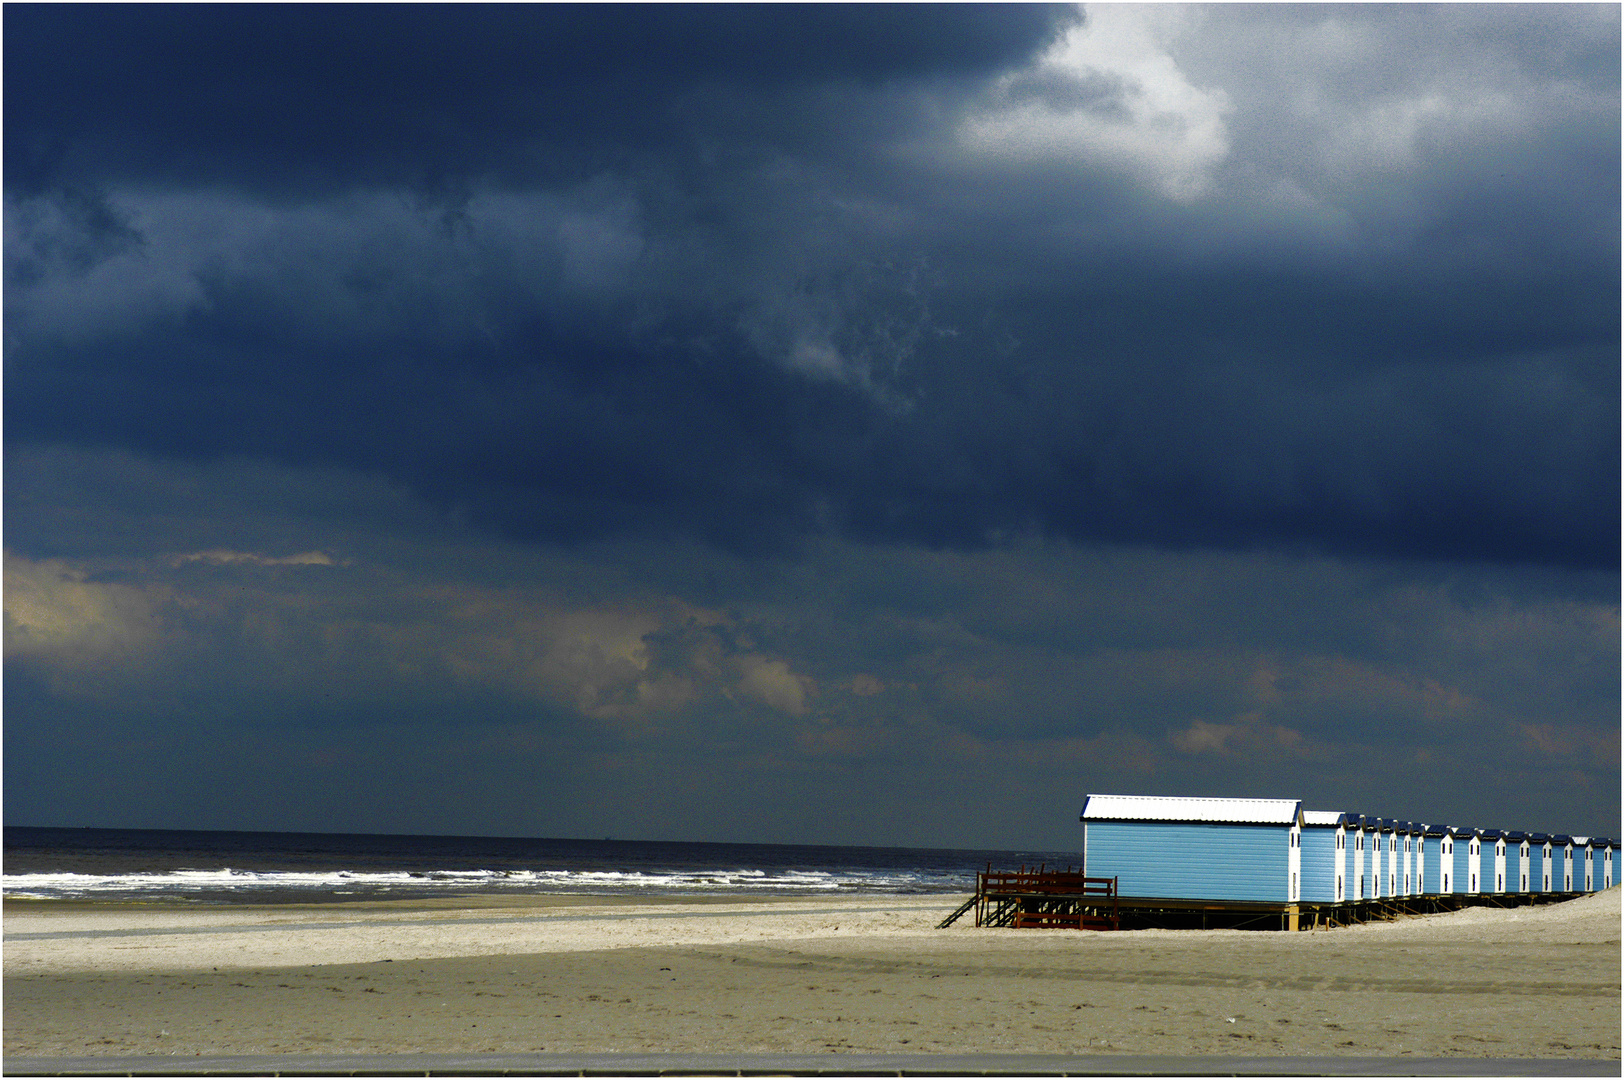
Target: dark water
{"x": 259, "y": 867}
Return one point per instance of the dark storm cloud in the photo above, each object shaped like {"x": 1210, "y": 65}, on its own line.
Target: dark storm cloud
{"x": 894, "y": 273}
{"x": 330, "y": 95}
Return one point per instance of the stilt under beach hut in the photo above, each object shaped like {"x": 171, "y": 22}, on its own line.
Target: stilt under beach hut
{"x": 1324, "y": 856}
{"x": 1195, "y": 848}
{"x": 1516, "y": 861}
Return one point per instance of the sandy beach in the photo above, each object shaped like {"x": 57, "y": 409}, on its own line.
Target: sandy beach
{"x": 804, "y": 975}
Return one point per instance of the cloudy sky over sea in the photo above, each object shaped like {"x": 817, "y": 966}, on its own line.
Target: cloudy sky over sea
{"x": 818, "y": 424}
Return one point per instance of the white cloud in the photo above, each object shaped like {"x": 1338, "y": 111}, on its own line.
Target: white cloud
{"x": 1110, "y": 93}
{"x": 55, "y": 615}
{"x": 222, "y": 557}
{"x": 773, "y": 683}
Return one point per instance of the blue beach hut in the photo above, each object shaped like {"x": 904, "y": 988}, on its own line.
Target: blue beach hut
{"x": 1583, "y": 879}
{"x": 1466, "y": 854}
{"x": 1539, "y": 859}
{"x": 1358, "y": 845}
{"x": 1435, "y": 860}
{"x": 1401, "y": 833}
{"x": 1378, "y": 850}
{"x": 1562, "y": 863}
{"x": 1516, "y": 861}
{"x": 1409, "y": 876}
{"x": 1373, "y": 857}
{"x": 1388, "y": 846}
{"x": 1493, "y": 861}
{"x": 1195, "y": 848}
{"x": 1324, "y": 857}
{"x": 1605, "y": 848}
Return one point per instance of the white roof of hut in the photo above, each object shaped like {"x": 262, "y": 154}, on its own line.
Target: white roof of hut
{"x": 1179, "y": 808}
{"x": 1323, "y": 817}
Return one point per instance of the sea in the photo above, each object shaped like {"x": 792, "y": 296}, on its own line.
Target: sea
{"x": 213, "y": 868}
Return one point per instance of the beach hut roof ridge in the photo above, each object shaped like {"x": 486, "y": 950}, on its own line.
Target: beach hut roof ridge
{"x": 1183, "y": 808}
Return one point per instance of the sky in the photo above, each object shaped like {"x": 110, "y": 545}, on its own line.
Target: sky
{"x": 809, "y": 424}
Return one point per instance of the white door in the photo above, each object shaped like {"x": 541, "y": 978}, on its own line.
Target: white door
{"x": 1294, "y": 862}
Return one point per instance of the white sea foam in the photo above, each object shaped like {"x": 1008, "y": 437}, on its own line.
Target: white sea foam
{"x": 183, "y": 883}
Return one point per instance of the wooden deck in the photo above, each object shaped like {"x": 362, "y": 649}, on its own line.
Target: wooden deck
{"x": 1042, "y": 899}
{"x": 1045, "y": 899}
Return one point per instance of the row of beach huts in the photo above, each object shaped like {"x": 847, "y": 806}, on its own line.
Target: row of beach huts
{"x": 1272, "y": 851}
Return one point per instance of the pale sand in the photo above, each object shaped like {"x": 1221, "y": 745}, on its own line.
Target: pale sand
{"x": 808, "y": 975}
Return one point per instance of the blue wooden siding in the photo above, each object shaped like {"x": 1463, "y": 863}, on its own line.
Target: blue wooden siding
{"x": 1319, "y": 864}
{"x": 1432, "y": 875}
{"x": 1368, "y": 872}
{"x": 1194, "y": 861}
